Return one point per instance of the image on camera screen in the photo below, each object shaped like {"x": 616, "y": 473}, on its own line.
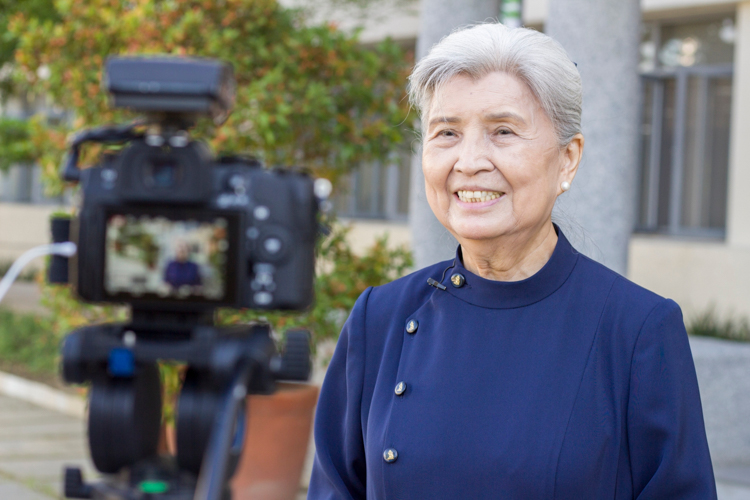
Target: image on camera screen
{"x": 154, "y": 256}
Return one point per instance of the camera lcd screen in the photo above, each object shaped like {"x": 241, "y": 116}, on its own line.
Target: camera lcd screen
{"x": 163, "y": 257}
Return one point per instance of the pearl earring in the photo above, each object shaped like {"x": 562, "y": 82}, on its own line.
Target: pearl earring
{"x": 565, "y": 185}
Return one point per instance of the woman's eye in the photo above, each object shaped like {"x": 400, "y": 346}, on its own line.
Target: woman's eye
{"x": 446, "y": 133}
{"x": 504, "y": 131}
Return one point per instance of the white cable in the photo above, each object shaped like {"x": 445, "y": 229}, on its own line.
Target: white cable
{"x": 66, "y": 249}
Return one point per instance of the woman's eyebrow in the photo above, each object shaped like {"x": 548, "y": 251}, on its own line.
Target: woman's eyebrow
{"x": 444, "y": 119}
{"x": 504, "y": 116}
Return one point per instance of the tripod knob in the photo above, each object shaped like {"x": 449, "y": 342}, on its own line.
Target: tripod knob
{"x": 294, "y": 363}
{"x": 74, "y": 485}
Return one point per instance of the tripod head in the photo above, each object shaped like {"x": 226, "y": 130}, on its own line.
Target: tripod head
{"x": 224, "y": 365}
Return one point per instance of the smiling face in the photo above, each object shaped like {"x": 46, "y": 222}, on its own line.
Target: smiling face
{"x": 492, "y": 161}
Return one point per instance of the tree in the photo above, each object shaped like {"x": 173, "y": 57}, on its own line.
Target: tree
{"x": 15, "y": 143}
{"x": 38, "y": 9}
{"x": 307, "y": 95}
{"x": 431, "y": 242}
{"x": 602, "y": 37}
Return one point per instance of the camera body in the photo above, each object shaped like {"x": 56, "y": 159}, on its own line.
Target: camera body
{"x": 165, "y": 227}
{"x": 247, "y": 234}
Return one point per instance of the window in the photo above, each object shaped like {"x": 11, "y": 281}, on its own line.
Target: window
{"x": 687, "y": 92}
{"x": 376, "y": 191}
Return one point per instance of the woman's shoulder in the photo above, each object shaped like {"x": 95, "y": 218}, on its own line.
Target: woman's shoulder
{"x": 626, "y": 299}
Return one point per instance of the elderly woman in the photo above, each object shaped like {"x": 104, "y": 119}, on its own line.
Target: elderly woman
{"x": 521, "y": 369}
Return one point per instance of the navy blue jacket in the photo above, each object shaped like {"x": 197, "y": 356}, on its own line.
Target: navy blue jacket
{"x": 180, "y": 274}
{"x": 572, "y": 384}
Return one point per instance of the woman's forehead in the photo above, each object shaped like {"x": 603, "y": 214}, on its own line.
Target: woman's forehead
{"x": 495, "y": 96}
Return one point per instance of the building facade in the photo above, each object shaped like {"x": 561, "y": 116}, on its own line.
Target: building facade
{"x": 692, "y": 238}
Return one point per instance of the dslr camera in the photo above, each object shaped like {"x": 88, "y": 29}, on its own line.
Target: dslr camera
{"x": 174, "y": 233}
{"x": 164, "y": 226}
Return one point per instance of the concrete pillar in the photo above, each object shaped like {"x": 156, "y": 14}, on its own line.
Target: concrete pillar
{"x": 738, "y": 203}
{"x": 431, "y": 242}
{"x": 602, "y": 36}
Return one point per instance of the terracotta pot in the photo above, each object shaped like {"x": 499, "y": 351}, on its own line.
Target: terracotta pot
{"x": 276, "y": 442}
{"x": 167, "y": 440}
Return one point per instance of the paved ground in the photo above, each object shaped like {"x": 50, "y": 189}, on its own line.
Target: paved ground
{"x": 24, "y": 297}
{"x": 35, "y": 443}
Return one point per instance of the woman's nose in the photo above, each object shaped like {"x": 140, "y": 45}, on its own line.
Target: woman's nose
{"x": 473, "y": 156}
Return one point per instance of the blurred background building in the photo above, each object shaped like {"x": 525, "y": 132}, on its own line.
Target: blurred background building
{"x": 692, "y": 237}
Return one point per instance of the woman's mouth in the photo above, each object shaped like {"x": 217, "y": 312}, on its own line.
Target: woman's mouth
{"x": 477, "y": 196}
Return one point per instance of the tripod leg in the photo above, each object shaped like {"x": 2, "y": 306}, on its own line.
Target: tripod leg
{"x": 215, "y": 470}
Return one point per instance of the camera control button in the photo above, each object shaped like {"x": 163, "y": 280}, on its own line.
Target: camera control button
{"x": 109, "y": 175}
{"x": 237, "y": 183}
{"x": 261, "y": 212}
{"x": 262, "y": 298}
{"x": 272, "y": 245}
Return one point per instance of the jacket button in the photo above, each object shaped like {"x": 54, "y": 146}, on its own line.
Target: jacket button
{"x": 458, "y": 280}
{"x": 412, "y": 326}
{"x": 400, "y": 388}
{"x": 390, "y": 455}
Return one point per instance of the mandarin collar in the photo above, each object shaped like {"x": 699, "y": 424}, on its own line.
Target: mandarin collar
{"x": 510, "y": 294}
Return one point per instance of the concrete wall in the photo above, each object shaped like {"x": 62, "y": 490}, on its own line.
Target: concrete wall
{"x": 364, "y": 233}
{"x": 23, "y": 226}
{"x": 738, "y": 214}
{"x": 723, "y": 369}
{"x": 697, "y": 275}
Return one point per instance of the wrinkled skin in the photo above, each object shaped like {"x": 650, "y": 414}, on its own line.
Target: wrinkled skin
{"x": 491, "y": 135}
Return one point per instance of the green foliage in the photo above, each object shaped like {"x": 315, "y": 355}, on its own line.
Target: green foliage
{"x": 67, "y": 313}
{"x": 27, "y": 340}
{"x": 15, "y": 142}
{"x": 710, "y": 324}
{"x": 37, "y": 9}
{"x": 171, "y": 374}
{"x": 306, "y": 95}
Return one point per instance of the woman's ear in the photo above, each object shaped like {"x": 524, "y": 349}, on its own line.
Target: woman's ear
{"x": 571, "y": 159}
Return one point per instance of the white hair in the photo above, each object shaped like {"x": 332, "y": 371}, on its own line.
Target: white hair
{"x": 533, "y": 57}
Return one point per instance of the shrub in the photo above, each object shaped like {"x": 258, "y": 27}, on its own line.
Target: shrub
{"x": 710, "y": 324}
{"x": 28, "y": 340}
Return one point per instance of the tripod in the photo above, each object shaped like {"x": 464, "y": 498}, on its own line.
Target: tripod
{"x": 224, "y": 365}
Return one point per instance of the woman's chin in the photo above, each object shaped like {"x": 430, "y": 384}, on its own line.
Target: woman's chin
{"x": 470, "y": 232}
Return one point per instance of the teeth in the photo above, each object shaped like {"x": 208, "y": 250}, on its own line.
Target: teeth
{"x": 477, "y": 196}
